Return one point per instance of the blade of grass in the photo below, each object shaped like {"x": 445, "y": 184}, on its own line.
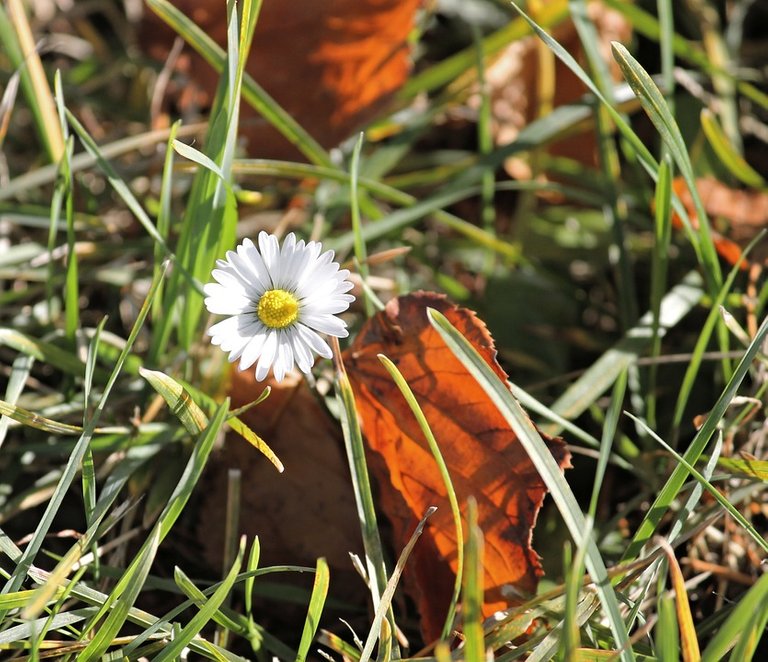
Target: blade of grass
{"x": 134, "y": 576}
{"x": 179, "y": 400}
{"x": 126, "y": 591}
{"x": 545, "y": 464}
{"x": 723, "y": 501}
{"x": 656, "y": 108}
{"x": 199, "y": 620}
{"x": 434, "y": 448}
{"x": 474, "y": 592}
{"x": 20, "y": 370}
{"x": 39, "y": 91}
{"x": 315, "y": 609}
{"x": 366, "y": 511}
{"x": 659, "y": 272}
{"x": 361, "y": 254}
{"x": 729, "y": 157}
{"x": 667, "y": 639}
{"x": 690, "y": 643}
{"x": 738, "y": 625}
{"x": 612, "y": 416}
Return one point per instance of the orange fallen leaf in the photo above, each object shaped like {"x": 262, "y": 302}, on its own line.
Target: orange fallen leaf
{"x": 746, "y": 213}
{"x": 483, "y": 455}
{"x": 333, "y": 65}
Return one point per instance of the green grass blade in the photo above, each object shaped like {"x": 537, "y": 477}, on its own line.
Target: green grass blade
{"x": 659, "y": 272}
{"x": 252, "y": 564}
{"x": 206, "y": 613}
{"x": 545, "y": 464}
{"x": 474, "y": 592}
{"x": 445, "y": 475}
{"x": 726, "y": 152}
{"x": 657, "y": 110}
{"x": 179, "y": 400}
{"x": 612, "y": 416}
{"x": 315, "y": 609}
{"x": 723, "y": 501}
{"x": 173, "y": 508}
{"x": 667, "y": 638}
{"x": 134, "y": 577}
{"x": 361, "y": 254}
{"x": 672, "y": 487}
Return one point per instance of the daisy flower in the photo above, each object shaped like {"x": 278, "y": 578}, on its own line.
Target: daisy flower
{"x": 278, "y": 302}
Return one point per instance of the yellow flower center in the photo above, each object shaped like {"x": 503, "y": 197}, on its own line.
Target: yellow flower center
{"x": 278, "y": 309}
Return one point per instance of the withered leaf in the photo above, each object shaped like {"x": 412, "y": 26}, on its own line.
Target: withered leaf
{"x": 482, "y": 453}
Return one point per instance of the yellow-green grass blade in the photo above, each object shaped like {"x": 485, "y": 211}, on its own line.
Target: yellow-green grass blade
{"x": 657, "y": 110}
{"x": 445, "y": 475}
{"x": 315, "y": 609}
{"x": 723, "y": 501}
{"x": 179, "y": 400}
{"x": 753, "y": 468}
{"x": 20, "y": 45}
{"x": 726, "y": 152}
{"x": 550, "y": 472}
{"x": 47, "y": 353}
{"x": 473, "y": 589}
{"x": 206, "y": 613}
{"x": 124, "y": 589}
{"x": 181, "y": 397}
{"x": 135, "y": 576}
{"x": 251, "y": 565}
{"x": 689, "y": 643}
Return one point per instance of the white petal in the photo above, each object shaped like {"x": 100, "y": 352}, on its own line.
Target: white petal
{"x": 268, "y": 353}
{"x": 284, "y": 359}
{"x": 252, "y": 349}
{"x": 270, "y": 253}
{"x": 302, "y": 352}
{"x": 329, "y": 324}
{"x": 314, "y": 341}
{"x": 221, "y": 301}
